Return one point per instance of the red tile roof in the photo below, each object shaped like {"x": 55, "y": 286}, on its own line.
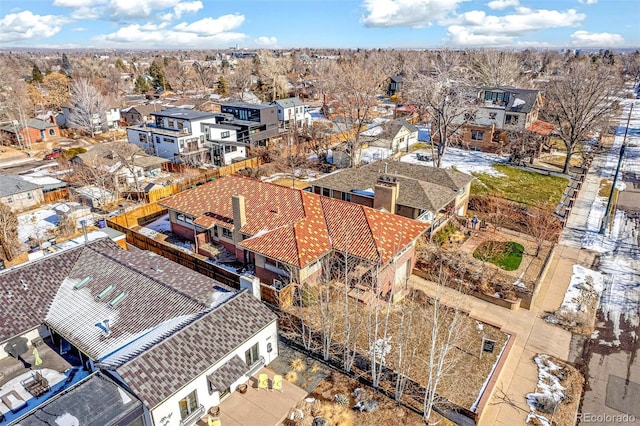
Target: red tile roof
{"x": 541, "y": 127}
{"x": 297, "y": 227}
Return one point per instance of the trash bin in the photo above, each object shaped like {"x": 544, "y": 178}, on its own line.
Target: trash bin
{"x": 102, "y": 223}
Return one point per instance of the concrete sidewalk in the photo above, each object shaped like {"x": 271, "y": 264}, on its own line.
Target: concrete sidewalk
{"x": 533, "y": 335}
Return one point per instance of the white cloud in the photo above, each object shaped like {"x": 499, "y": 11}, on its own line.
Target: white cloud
{"x": 406, "y": 13}
{"x": 149, "y": 36}
{"x": 187, "y": 7}
{"x": 502, "y": 4}
{"x": 79, "y": 29}
{"x": 477, "y": 28}
{"x": 266, "y": 41}
{"x": 25, "y": 26}
{"x": 211, "y": 26}
{"x": 126, "y": 9}
{"x": 83, "y": 13}
{"x": 588, "y": 1}
{"x": 587, "y": 39}
{"x": 77, "y": 3}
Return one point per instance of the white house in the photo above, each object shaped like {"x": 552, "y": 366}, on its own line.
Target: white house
{"x": 222, "y": 140}
{"x": 291, "y": 111}
{"x": 176, "y": 340}
{"x": 397, "y": 135}
{"x": 176, "y": 134}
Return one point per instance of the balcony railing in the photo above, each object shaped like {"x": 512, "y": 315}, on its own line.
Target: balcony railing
{"x": 192, "y": 418}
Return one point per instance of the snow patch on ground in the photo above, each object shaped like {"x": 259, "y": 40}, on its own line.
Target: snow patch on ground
{"x": 38, "y": 224}
{"x": 159, "y": 226}
{"x": 371, "y": 154}
{"x": 463, "y": 160}
{"x": 549, "y": 392}
{"x": 585, "y": 283}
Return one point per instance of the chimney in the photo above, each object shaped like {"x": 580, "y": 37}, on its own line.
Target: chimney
{"x": 239, "y": 216}
{"x": 386, "y": 193}
{"x": 386, "y": 166}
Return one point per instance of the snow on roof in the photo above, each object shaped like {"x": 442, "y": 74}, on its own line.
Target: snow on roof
{"x": 518, "y": 102}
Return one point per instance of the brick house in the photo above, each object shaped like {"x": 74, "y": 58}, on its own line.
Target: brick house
{"x": 415, "y": 191}
{"x": 286, "y": 234}
{"x": 34, "y": 130}
{"x": 503, "y": 111}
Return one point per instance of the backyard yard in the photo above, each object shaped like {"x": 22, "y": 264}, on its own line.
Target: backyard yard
{"x": 521, "y": 186}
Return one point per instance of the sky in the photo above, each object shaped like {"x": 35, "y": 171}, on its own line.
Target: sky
{"x": 213, "y": 24}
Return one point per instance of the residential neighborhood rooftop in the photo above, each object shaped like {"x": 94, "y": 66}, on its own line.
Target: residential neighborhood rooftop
{"x": 187, "y": 114}
{"x": 11, "y": 185}
{"x": 294, "y": 226}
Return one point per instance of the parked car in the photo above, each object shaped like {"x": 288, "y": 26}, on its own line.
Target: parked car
{"x": 57, "y": 152}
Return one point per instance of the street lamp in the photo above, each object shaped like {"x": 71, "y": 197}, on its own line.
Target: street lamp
{"x": 606, "y": 218}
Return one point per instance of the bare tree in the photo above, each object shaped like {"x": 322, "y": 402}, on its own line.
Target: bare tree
{"x": 353, "y": 89}
{"x": 445, "y": 339}
{"x": 89, "y": 109}
{"x": 9, "y": 232}
{"x": 440, "y": 87}
{"x": 272, "y": 76}
{"x": 180, "y": 76}
{"x": 240, "y": 79}
{"x": 496, "y": 68}
{"x": 580, "y": 102}
{"x": 206, "y": 73}
{"x": 543, "y": 225}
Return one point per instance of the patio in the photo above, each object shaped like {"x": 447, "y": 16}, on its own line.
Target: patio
{"x": 258, "y": 407}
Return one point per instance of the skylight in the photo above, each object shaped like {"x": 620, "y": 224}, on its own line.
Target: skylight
{"x": 83, "y": 282}
{"x": 117, "y": 299}
{"x": 107, "y": 291}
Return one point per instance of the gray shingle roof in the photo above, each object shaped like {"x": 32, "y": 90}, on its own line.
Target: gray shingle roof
{"x": 95, "y": 400}
{"x": 27, "y": 292}
{"x": 421, "y": 187}
{"x": 289, "y": 102}
{"x": 168, "y": 366}
{"x": 184, "y": 113}
{"x": 228, "y": 373}
{"x": 12, "y": 185}
{"x": 527, "y": 95}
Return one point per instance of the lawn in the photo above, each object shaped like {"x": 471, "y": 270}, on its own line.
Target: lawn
{"x": 507, "y": 256}
{"x": 520, "y": 186}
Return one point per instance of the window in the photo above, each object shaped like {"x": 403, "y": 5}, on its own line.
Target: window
{"x": 477, "y": 135}
{"x": 52, "y": 132}
{"x": 225, "y": 135}
{"x": 188, "y": 405}
{"x": 171, "y": 123}
{"x": 168, "y": 140}
{"x": 511, "y": 119}
{"x": 142, "y": 137}
{"x": 180, "y": 125}
{"x": 29, "y": 196}
{"x": 9, "y": 200}
{"x": 469, "y": 116}
{"x": 492, "y": 115}
{"x": 326, "y": 192}
{"x": 252, "y": 355}
{"x": 226, "y": 233}
{"x": 229, "y": 149}
{"x": 184, "y": 218}
{"x": 157, "y": 139}
{"x": 346, "y": 196}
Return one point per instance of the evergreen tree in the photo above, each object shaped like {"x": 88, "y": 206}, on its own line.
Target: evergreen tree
{"x": 120, "y": 64}
{"x": 66, "y": 65}
{"x": 156, "y": 70}
{"x": 222, "y": 87}
{"x": 36, "y": 74}
{"x": 141, "y": 85}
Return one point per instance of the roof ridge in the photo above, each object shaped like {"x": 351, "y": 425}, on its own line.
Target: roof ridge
{"x": 170, "y": 335}
{"x": 146, "y": 275}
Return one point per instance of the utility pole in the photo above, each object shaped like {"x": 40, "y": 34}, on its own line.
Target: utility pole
{"x": 606, "y": 218}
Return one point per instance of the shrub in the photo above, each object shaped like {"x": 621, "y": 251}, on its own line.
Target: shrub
{"x": 298, "y": 364}
{"x": 443, "y": 235}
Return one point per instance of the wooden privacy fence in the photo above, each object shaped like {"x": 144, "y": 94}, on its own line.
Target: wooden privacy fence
{"x": 149, "y": 212}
